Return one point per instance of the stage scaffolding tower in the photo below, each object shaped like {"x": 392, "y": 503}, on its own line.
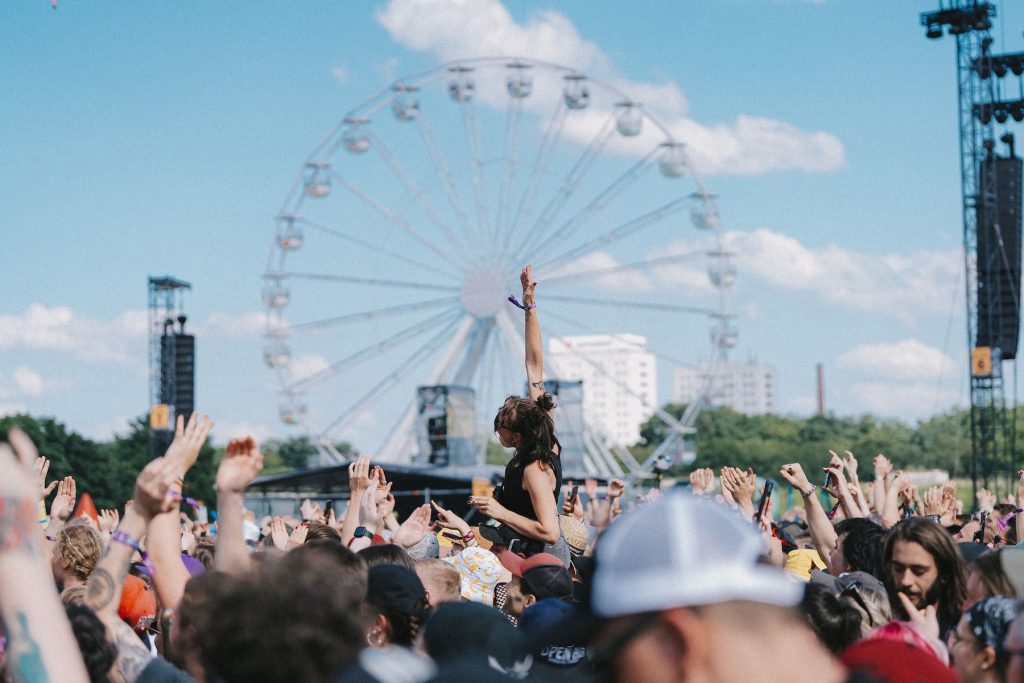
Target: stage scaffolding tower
{"x": 991, "y": 233}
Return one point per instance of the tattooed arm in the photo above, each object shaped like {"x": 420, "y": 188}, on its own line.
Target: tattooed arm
{"x": 106, "y": 582}
{"x": 40, "y": 646}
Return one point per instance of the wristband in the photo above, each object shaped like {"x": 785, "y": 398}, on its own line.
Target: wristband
{"x": 466, "y": 538}
{"x": 808, "y": 492}
{"x": 515, "y": 302}
{"x": 125, "y": 538}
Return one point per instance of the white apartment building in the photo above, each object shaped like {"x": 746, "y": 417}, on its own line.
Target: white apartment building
{"x": 620, "y": 387}
{"x": 749, "y": 388}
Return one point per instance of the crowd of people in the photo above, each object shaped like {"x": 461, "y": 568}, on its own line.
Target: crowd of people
{"x": 552, "y": 581}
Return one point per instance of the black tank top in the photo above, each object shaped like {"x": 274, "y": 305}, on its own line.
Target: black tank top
{"x": 514, "y": 497}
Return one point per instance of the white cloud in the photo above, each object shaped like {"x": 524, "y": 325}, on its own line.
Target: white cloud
{"x": 120, "y": 340}
{"x": 899, "y": 286}
{"x": 909, "y": 399}
{"x": 29, "y": 382}
{"x": 463, "y": 29}
{"x": 340, "y": 74}
{"x": 628, "y": 280}
{"x": 906, "y": 359}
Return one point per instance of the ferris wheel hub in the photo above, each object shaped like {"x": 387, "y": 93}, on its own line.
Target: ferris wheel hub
{"x": 483, "y": 293}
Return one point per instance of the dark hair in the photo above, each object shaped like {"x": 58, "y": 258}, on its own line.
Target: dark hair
{"x": 863, "y": 545}
{"x": 531, "y": 420}
{"x": 204, "y": 553}
{"x": 317, "y": 531}
{"x": 309, "y": 596}
{"x": 387, "y": 553}
{"x": 952, "y": 577}
{"x": 91, "y": 636}
{"x": 836, "y": 623}
{"x": 989, "y": 568}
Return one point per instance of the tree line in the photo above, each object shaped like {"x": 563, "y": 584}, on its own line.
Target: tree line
{"x": 107, "y": 469}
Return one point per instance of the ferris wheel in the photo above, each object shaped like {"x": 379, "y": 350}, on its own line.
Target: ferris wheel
{"x": 405, "y": 231}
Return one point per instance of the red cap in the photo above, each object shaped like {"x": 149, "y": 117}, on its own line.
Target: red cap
{"x": 518, "y": 565}
{"x": 138, "y": 604}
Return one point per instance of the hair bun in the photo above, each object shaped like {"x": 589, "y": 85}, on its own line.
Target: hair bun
{"x": 546, "y": 402}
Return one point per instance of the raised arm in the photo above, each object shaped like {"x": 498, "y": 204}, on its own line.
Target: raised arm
{"x": 823, "y": 535}
{"x": 40, "y": 645}
{"x": 241, "y": 464}
{"x": 106, "y": 582}
{"x": 534, "y": 343}
{"x": 164, "y": 537}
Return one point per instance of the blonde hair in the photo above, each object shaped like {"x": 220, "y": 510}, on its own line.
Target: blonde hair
{"x": 79, "y": 548}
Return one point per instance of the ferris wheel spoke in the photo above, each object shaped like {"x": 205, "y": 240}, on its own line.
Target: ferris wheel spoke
{"x": 393, "y": 377}
{"x": 415, "y": 190}
{"x": 552, "y": 134}
{"x": 513, "y": 116}
{"x": 370, "y": 351}
{"x": 617, "y": 303}
{"x": 599, "y": 202}
{"x": 374, "y": 314}
{"x": 626, "y": 267}
{"x": 472, "y": 130}
{"x": 579, "y": 170}
{"x": 396, "y": 219}
{"x": 373, "y": 247}
{"x": 443, "y": 170}
{"x": 474, "y": 352}
{"x": 377, "y": 282}
{"x": 618, "y": 233}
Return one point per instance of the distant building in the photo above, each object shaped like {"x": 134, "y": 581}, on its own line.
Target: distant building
{"x": 748, "y": 388}
{"x": 619, "y": 381}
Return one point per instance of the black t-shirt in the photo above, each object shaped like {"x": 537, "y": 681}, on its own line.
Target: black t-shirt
{"x": 514, "y": 497}
{"x": 159, "y": 670}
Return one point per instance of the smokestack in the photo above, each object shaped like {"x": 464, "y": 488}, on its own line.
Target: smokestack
{"x": 821, "y": 389}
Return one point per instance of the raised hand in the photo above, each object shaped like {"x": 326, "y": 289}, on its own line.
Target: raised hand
{"x": 590, "y": 488}
{"x": 298, "y": 536}
{"x": 188, "y": 440}
{"x": 64, "y": 501}
{"x": 850, "y": 463}
{"x": 741, "y": 485}
{"x": 242, "y": 463}
{"x": 307, "y": 510}
{"x": 279, "y": 533}
{"x": 450, "y": 520}
{"x": 883, "y": 467}
{"x": 414, "y": 528}
{"x": 616, "y": 487}
{"x": 527, "y": 281}
{"x": 986, "y": 500}
{"x": 151, "y": 488}
{"x": 109, "y": 520}
{"x": 358, "y": 476}
{"x": 702, "y": 481}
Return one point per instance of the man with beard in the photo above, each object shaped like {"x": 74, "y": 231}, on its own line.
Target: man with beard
{"x": 921, "y": 562}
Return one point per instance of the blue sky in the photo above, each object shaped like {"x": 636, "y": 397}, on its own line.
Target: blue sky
{"x": 162, "y": 138}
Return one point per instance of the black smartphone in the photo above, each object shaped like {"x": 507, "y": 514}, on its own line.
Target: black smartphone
{"x": 765, "y": 497}
{"x": 979, "y": 535}
{"x": 574, "y": 493}
{"x": 828, "y": 481}
{"x": 328, "y": 506}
